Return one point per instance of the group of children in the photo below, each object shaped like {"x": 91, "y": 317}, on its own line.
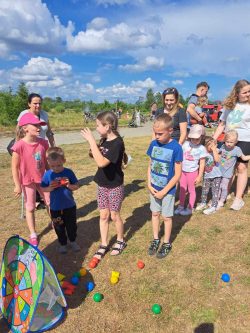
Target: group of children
{"x": 37, "y": 167}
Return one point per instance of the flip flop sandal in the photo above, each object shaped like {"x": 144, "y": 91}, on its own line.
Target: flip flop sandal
{"x": 119, "y": 247}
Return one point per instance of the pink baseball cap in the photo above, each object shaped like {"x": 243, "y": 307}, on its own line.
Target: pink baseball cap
{"x": 30, "y": 118}
{"x": 196, "y": 131}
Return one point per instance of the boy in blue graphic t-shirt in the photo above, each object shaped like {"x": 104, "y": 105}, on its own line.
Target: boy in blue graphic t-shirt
{"x": 61, "y": 182}
{"x": 164, "y": 172}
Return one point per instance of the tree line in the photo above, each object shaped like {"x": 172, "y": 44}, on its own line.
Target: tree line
{"x": 11, "y": 104}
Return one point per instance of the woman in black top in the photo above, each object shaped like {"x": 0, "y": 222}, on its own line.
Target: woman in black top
{"x": 170, "y": 98}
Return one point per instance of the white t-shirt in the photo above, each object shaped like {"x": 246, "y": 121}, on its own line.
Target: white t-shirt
{"x": 43, "y": 117}
{"x": 192, "y": 155}
{"x": 239, "y": 120}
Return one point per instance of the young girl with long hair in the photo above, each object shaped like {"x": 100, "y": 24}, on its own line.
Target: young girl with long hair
{"x": 108, "y": 155}
{"x": 28, "y": 166}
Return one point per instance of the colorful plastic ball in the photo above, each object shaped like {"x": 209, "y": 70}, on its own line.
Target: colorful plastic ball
{"x": 74, "y": 280}
{"x": 77, "y": 274}
{"x": 83, "y": 271}
{"x": 114, "y": 279}
{"x": 90, "y": 285}
{"x": 225, "y": 277}
{"x": 96, "y": 260}
{"x": 140, "y": 264}
{"x": 97, "y": 297}
{"x": 92, "y": 264}
{"x": 156, "y": 309}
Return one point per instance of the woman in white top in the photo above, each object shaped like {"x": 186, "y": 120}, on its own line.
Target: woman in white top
{"x": 236, "y": 115}
{"x": 35, "y": 103}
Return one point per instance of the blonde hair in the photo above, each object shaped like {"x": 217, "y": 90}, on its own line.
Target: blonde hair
{"x": 231, "y": 100}
{"x": 207, "y": 140}
{"x": 20, "y": 132}
{"x": 231, "y": 134}
{"x": 202, "y": 100}
{"x": 53, "y": 153}
{"x": 166, "y": 119}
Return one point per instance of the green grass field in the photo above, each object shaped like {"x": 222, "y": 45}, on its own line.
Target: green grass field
{"x": 187, "y": 283}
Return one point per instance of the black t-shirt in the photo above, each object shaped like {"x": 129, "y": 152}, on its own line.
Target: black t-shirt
{"x": 179, "y": 117}
{"x": 112, "y": 175}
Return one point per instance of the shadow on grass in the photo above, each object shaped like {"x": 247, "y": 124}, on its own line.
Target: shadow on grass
{"x": 204, "y": 328}
{"x": 86, "y": 180}
{"x": 87, "y": 234}
{"x": 3, "y": 326}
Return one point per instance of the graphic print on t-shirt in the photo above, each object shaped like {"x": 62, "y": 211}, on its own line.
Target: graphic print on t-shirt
{"x": 37, "y": 157}
{"x": 161, "y": 158}
{"x": 235, "y": 118}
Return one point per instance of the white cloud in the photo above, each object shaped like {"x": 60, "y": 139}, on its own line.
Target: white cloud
{"x": 180, "y": 74}
{"x": 149, "y": 63}
{"x": 98, "y": 23}
{"x": 177, "y": 82}
{"x": 29, "y": 27}
{"x": 118, "y": 37}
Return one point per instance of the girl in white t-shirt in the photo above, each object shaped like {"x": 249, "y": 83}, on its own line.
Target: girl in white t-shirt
{"x": 193, "y": 166}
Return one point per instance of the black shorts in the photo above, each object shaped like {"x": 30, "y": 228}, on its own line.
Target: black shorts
{"x": 245, "y": 147}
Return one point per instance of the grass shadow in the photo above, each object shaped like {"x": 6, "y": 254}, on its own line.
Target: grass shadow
{"x": 204, "y": 328}
{"x": 4, "y": 328}
{"x": 85, "y": 180}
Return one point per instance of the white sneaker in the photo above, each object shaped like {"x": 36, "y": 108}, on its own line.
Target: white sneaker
{"x": 186, "y": 211}
{"x": 220, "y": 205}
{"x": 178, "y": 210}
{"x": 200, "y": 206}
{"x": 62, "y": 249}
{"x": 75, "y": 247}
{"x": 237, "y": 204}
{"x": 209, "y": 211}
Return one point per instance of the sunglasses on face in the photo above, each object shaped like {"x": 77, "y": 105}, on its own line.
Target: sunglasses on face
{"x": 169, "y": 91}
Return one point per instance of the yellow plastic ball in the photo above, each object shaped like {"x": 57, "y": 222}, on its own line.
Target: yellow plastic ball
{"x": 83, "y": 271}
{"x": 113, "y": 279}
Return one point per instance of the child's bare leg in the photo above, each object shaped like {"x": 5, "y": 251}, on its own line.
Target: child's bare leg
{"x": 156, "y": 224}
{"x": 104, "y": 225}
{"x": 30, "y": 218}
{"x": 168, "y": 229}
{"x": 116, "y": 217}
{"x": 120, "y": 244}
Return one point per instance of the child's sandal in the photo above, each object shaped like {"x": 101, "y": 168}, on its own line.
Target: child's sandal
{"x": 101, "y": 254}
{"x": 119, "y": 247}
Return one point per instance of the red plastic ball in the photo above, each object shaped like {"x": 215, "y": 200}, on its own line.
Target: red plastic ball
{"x": 92, "y": 264}
{"x": 96, "y": 260}
{"x": 140, "y": 264}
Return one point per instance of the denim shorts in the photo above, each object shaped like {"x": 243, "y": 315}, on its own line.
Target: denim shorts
{"x": 164, "y": 206}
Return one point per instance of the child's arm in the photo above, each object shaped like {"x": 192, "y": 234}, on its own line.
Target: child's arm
{"x": 73, "y": 187}
{"x": 101, "y": 161}
{"x": 15, "y": 163}
{"x": 173, "y": 181}
{"x": 215, "y": 152}
{"x": 152, "y": 190}
{"x": 201, "y": 170}
{"x": 245, "y": 157}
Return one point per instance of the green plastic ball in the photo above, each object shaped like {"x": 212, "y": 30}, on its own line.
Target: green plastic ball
{"x": 77, "y": 274}
{"x": 156, "y": 309}
{"x": 97, "y": 297}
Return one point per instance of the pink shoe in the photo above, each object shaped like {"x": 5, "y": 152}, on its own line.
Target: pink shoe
{"x": 33, "y": 241}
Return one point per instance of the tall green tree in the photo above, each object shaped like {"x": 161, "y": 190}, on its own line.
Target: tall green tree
{"x": 150, "y": 98}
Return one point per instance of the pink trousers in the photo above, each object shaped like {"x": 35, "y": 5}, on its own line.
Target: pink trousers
{"x": 187, "y": 185}
{"x": 29, "y": 192}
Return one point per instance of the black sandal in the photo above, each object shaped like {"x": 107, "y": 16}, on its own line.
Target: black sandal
{"x": 101, "y": 254}
{"x": 119, "y": 247}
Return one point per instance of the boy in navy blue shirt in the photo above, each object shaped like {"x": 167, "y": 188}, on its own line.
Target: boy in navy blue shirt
{"x": 164, "y": 172}
{"x": 61, "y": 182}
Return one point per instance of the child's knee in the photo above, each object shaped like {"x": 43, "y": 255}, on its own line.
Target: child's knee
{"x": 156, "y": 214}
{"x": 242, "y": 168}
{"x": 30, "y": 207}
{"x": 104, "y": 217}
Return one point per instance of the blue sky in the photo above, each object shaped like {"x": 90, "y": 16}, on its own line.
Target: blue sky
{"x": 118, "y": 49}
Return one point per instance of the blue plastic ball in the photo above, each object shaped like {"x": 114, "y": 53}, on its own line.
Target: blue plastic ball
{"x": 74, "y": 280}
{"x": 225, "y": 277}
{"x": 90, "y": 286}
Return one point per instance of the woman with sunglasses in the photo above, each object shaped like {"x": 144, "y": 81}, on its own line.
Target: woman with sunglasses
{"x": 171, "y": 106}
